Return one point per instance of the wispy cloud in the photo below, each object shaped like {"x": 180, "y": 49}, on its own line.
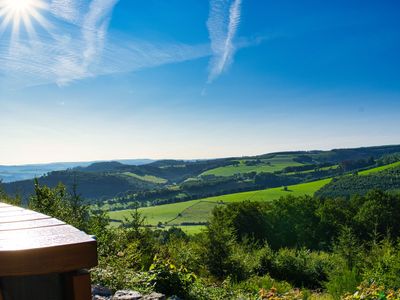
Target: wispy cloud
{"x": 68, "y": 10}
{"x": 222, "y": 25}
{"x": 78, "y": 46}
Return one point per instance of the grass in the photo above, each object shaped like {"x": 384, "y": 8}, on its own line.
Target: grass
{"x": 148, "y": 178}
{"x": 191, "y": 230}
{"x": 199, "y": 210}
{"x": 276, "y": 163}
{"x": 379, "y": 169}
{"x": 310, "y": 171}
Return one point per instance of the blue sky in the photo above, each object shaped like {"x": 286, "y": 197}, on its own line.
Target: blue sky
{"x": 108, "y": 79}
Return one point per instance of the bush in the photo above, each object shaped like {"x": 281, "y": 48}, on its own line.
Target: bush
{"x": 342, "y": 282}
{"x": 382, "y": 264}
{"x": 166, "y": 278}
{"x": 301, "y": 267}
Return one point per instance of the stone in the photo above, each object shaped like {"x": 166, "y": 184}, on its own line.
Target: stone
{"x": 127, "y": 295}
{"x": 97, "y": 297}
{"x": 98, "y": 290}
{"x": 155, "y": 296}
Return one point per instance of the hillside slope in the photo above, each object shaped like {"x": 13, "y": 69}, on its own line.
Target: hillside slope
{"x": 198, "y": 211}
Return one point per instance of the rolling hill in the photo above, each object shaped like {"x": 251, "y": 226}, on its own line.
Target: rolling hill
{"x": 119, "y": 184}
{"x": 25, "y": 172}
{"x": 190, "y": 214}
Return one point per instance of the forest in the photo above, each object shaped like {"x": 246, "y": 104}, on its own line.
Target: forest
{"x": 291, "y": 248}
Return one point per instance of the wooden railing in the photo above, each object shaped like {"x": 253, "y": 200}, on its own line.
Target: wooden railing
{"x": 43, "y": 258}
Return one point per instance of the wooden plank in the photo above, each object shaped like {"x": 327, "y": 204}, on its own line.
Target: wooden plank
{"x": 30, "y": 224}
{"x": 4, "y": 205}
{"x": 23, "y": 218}
{"x": 41, "y": 237}
{"x": 21, "y": 212}
{"x": 9, "y": 208}
{"x": 59, "y": 259}
{"x": 33, "y": 244}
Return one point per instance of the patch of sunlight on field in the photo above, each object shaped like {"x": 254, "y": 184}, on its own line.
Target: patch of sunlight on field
{"x": 148, "y": 178}
{"x": 155, "y": 214}
{"x": 193, "y": 229}
{"x": 379, "y": 169}
{"x": 277, "y": 163}
{"x": 200, "y": 210}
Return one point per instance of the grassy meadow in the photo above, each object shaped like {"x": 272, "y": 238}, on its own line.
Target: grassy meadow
{"x": 276, "y": 163}
{"x": 199, "y": 210}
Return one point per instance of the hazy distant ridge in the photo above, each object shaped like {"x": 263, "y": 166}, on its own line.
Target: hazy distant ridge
{"x": 29, "y": 171}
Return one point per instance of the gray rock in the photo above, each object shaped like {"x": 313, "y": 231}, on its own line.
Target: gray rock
{"x": 154, "y": 296}
{"x": 98, "y": 290}
{"x": 97, "y": 297}
{"x": 127, "y": 295}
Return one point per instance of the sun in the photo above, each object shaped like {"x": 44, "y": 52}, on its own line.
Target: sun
{"x": 16, "y": 12}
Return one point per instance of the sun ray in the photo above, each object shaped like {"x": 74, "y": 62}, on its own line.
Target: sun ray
{"x": 22, "y": 13}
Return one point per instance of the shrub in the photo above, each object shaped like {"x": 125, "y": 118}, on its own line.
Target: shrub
{"x": 382, "y": 264}
{"x": 342, "y": 282}
{"x": 166, "y": 278}
{"x": 301, "y": 267}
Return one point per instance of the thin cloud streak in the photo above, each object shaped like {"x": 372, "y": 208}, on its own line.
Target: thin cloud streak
{"x": 78, "y": 47}
{"x": 67, "y": 10}
{"x": 222, "y": 24}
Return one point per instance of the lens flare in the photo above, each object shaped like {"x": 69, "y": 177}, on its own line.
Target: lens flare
{"x": 16, "y": 12}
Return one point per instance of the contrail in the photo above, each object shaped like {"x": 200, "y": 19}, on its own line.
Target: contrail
{"x": 222, "y": 25}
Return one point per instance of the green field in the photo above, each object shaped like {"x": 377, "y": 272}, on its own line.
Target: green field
{"x": 198, "y": 211}
{"x": 381, "y": 168}
{"x": 276, "y": 163}
{"x": 148, "y": 178}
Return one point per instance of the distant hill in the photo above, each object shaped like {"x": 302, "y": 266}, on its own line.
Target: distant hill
{"x": 192, "y": 214}
{"x": 124, "y": 183}
{"x": 24, "y": 172}
{"x": 91, "y": 185}
{"x": 388, "y": 179}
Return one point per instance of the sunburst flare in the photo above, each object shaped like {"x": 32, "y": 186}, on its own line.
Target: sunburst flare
{"x": 17, "y": 12}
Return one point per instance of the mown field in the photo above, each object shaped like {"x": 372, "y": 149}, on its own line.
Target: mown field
{"x": 277, "y": 163}
{"x": 148, "y": 178}
{"x": 381, "y": 168}
{"x": 196, "y": 211}
{"x": 185, "y": 214}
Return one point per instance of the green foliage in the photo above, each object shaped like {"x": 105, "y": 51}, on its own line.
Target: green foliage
{"x": 218, "y": 246}
{"x": 379, "y": 212}
{"x": 347, "y": 186}
{"x": 4, "y": 197}
{"x": 58, "y": 203}
{"x": 248, "y": 220}
{"x": 249, "y": 250}
{"x": 389, "y": 159}
{"x": 301, "y": 267}
{"x": 342, "y": 282}
{"x": 276, "y": 163}
{"x": 348, "y": 247}
{"x": 167, "y": 278}
{"x": 202, "y": 213}
{"x": 382, "y": 264}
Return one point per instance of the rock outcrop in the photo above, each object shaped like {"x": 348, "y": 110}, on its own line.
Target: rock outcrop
{"x": 102, "y": 293}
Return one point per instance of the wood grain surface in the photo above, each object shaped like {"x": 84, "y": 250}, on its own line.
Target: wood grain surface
{"x": 32, "y": 244}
